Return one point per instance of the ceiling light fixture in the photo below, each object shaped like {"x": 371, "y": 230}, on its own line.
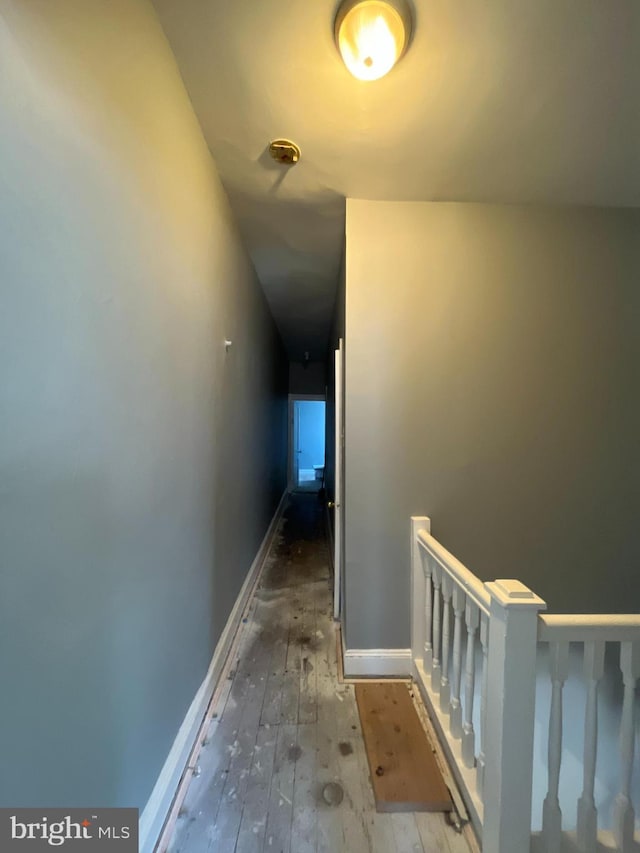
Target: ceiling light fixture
{"x": 372, "y": 35}
{"x": 284, "y": 151}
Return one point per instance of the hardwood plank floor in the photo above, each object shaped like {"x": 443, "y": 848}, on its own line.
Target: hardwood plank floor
{"x": 284, "y": 768}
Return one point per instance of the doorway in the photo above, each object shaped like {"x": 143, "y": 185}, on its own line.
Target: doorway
{"x": 306, "y": 443}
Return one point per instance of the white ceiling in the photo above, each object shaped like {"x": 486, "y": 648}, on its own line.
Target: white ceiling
{"x": 496, "y": 100}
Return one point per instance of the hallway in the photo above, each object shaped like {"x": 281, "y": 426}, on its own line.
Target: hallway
{"x": 285, "y": 727}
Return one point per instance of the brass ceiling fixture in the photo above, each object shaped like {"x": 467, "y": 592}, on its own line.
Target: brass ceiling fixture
{"x": 284, "y": 151}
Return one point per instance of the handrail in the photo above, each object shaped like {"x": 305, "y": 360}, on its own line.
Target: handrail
{"x": 473, "y": 586}
{"x": 588, "y": 627}
{"x": 494, "y": 761}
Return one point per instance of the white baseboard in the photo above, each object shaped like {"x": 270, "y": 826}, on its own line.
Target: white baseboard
{"x": 155, "y": 812}
{"x": 377, "y": 663}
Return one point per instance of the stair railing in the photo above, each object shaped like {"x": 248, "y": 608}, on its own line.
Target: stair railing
{"x": 479, "y": 650}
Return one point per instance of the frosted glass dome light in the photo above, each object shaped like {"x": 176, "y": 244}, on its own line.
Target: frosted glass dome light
{"x": 372, "y": 35}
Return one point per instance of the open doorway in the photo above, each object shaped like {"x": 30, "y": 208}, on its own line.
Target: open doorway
{"x": 306, "y": 442}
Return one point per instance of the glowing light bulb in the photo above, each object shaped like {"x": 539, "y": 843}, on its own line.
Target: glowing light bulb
{"x": 371, "y": 37}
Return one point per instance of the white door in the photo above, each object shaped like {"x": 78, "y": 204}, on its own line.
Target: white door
{"x": 338, "y": 525}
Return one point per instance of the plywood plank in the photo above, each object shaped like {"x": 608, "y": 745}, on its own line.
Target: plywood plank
{"x": 379, "y": 826}
{"x": 404, "y": 772}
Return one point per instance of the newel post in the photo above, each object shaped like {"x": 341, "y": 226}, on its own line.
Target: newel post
{"x": 418, "y": 591}
{"x": 510, "y": 717}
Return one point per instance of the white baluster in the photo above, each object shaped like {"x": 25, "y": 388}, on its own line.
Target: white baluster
{"x": 587, "y": 812}
{"x": 551, "y": 812}
{"x": 435, "y": 669}
{"x": 484, "y": 642}
{"x": 624, "y": 815}
{"x": 447, "y": 586}
{"x": 419, "y": 583}
{"x": 472, "y": 618}
{"x": 428, "y": 613}
{"x": 455, "y": 709}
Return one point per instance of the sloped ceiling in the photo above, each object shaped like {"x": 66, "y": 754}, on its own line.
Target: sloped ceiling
{"x": 499, "y": 100}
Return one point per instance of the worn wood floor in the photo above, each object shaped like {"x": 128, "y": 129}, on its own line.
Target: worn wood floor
{"x": 284, "y": 768}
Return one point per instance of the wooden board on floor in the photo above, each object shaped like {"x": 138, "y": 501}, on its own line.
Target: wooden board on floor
{"x": 404, "y": 772}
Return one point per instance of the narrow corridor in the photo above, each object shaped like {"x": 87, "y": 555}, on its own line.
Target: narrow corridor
{"x": 284, "y": 768}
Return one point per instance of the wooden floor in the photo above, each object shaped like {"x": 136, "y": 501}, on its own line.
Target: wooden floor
{"x": 284, "y": 768}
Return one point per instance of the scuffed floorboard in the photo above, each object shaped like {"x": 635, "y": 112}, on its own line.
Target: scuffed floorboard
{"x": 284, "y": 768}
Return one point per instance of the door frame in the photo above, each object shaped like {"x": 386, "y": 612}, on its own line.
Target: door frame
{"x": 338, "y": 498}
{"x": 292, "y": 485}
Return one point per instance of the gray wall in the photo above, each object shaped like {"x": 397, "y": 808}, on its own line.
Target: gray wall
{"x": 139, "y": 463}
{"x": 307, "y": 379}
{"x": 492, "y": 383}
{"x": 337, "y": 332}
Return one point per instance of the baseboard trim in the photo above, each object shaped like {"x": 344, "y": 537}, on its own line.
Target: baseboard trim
{"x": 377, "y": 663}
{"x": 158, "y": 807}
